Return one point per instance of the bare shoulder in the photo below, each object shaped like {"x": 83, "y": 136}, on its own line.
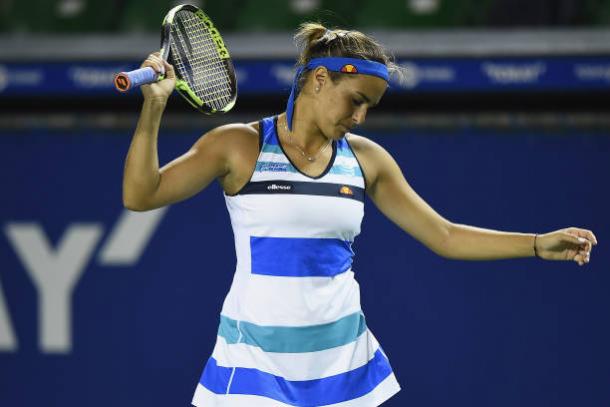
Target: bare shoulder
{"x": 233, "y": 135}
{"x": 366, "y": 149}
{"x": 370, "y": 155}
{"x": 230, "y": 143}
{"x": 365, "y": 146}
{"x": 236, "y": 147}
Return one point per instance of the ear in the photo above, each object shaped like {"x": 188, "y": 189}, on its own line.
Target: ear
{"x": 320, "y": 78}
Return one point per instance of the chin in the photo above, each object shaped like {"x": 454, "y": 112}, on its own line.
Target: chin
{"x": 339, "y": 134}
{"x": 341, "y": 131}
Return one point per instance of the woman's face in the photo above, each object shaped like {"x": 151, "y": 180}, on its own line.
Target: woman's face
{"x": 342, "y": 105}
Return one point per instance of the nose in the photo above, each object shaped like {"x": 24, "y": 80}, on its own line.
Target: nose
{"x": 359, "y": 115}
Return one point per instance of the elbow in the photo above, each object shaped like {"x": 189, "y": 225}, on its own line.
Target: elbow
{"x": 135, "y": 199}
{"x": 133, "y": 204}
{"x": 443, "y": 248}
{"x": 139, "y": 196}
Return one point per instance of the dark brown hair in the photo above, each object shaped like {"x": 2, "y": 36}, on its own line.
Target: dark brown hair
{"x": 313, "y": 40}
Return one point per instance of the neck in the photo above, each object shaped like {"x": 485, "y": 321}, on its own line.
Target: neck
{"x": 305, "y": 134}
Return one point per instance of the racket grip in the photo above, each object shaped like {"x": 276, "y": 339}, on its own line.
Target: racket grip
{"x": 124, "y": 81}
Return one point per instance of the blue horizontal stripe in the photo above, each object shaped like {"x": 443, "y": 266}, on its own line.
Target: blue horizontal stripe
{"x": 294, "y": 339}
{"x": 304, "y": 393}
{"x": 300, "y": 257}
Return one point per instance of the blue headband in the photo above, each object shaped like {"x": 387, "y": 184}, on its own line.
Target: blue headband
{"x": 335, "y": 64}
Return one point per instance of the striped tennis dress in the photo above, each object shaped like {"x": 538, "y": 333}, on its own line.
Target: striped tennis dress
{"x": 292, "y": 332}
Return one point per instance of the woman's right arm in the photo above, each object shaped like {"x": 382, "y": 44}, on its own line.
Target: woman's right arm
{"x": 145, "y": 185}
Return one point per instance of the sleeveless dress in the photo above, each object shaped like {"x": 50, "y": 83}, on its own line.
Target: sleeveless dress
{"x": 292, "y": 332}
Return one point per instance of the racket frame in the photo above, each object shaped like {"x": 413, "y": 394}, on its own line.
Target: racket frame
{"x": 182, "y": 86}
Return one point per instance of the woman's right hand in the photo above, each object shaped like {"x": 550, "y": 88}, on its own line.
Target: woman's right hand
{"x": 159, "y": 91}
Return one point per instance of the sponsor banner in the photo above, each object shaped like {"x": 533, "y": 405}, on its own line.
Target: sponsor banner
{"x": 104, "y": 307}
{"x": 275, "y": 76}
{"x": 500, "y": 74}
{"x": 59, "y": 78}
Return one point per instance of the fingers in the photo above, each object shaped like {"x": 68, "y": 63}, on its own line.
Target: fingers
{"x": 581, "y": 237}
{"x": 157, "y": 63}
{"x": 584, "y": 233}
{"x": 587, "y": 234}
{"x": 582, "y": 258}
{"x": 585, "y": 240}
{"x": 583, "y": 254}
{"x": 169, "y": 70}
{"x": 574, "y": 238}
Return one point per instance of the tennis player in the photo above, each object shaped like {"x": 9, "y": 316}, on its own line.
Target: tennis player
{"x": 292, "y": 332}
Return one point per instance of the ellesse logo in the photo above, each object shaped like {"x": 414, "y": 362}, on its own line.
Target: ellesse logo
{"x": 345, "y": 190}
{"x": 279, "y": 187}
{"x": 349, "y": 68}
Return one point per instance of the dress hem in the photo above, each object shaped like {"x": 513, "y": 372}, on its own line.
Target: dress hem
{"x": 380, "y": 394}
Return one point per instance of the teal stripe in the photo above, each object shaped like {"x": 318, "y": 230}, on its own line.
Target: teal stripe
{"x": 289, "y": 339}
{"x": 271, "y": 148}
{"x": 228, "y": 329}
{"x": 343, "y": 170}
{"x": 275, "y": 149}
{"x": 345, "y": 152}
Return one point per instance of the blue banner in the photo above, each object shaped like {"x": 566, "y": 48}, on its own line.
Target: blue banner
{"x": 100, "y": 306}
{"x": 270, "y": 76}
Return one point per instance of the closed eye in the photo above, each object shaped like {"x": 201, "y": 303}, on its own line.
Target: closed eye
{"x": 363, "y": 99}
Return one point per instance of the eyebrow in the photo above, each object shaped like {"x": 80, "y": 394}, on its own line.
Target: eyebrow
{"x": 366, "y": 99}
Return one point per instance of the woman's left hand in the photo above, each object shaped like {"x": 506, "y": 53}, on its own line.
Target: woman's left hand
{"x": 566, "y": 244}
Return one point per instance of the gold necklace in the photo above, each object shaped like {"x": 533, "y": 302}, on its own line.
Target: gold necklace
{"x": 309, "y": 158}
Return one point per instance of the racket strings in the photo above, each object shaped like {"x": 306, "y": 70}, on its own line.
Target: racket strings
{"x": 197, "y": 61}
{"x": 204, "y": 60}
{"x": 205, "y": 72}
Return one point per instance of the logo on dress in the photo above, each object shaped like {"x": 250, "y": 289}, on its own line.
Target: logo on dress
{"x": 279, "y": 187}
{"x": 345, "y": 190}
{"x": 349, "y": 68}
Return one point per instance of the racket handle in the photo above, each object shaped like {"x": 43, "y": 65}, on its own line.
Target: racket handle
{"x": 125, "y": 81}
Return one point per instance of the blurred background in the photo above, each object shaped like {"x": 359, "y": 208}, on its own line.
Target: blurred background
{"x": 502, "y": 121}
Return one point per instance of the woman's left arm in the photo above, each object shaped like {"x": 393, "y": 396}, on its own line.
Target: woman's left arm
{"x": 391, "y": 193}
{"x": 472, "y": 243}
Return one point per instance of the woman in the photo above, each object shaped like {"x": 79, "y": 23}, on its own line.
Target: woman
{"x": 291, "y": 329}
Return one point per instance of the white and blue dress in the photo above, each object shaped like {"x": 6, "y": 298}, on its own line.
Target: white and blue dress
{"x": 292, "y": 331}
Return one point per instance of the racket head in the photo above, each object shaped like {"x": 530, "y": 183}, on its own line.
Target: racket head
{"x": 205, "y": 76}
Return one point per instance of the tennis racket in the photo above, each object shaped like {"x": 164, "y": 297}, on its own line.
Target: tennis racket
{"x": 205, "y": 76}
